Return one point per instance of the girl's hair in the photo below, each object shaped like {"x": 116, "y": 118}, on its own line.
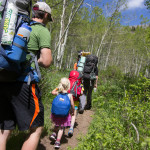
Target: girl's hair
{"x": 64, "y": 85}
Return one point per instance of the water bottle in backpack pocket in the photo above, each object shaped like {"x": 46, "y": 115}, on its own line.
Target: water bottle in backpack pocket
{"x": 61, "y": 105}
{"x": 17, "y": 52}
{"x": 9, "y": 26}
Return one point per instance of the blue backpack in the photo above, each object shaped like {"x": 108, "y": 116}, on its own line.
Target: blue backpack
{"x": 61, "y": 105}
{"x": 13, "y": 53}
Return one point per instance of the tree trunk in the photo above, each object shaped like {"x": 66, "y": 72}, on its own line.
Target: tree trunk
{"x": 64, "y": 33}
{"x": 107, "y": 58}
{"x": 99, "y": 50}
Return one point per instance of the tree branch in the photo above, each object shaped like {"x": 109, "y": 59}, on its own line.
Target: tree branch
{"x": 137, "y": 133}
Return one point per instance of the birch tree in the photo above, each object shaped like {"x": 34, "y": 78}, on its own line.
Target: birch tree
{"x": 64, "y": 30}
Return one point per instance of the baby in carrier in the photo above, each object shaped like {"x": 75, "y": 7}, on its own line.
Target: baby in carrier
{"x": 76, "y": 91}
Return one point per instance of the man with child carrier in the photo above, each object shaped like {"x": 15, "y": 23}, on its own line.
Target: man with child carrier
{"x": 88, "y": 66}
{"x": 20, "y": 95}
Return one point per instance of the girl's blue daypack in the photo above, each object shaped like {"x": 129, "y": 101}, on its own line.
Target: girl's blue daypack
{"x": 14, "y": 35}
{"x": 61, "y": 105}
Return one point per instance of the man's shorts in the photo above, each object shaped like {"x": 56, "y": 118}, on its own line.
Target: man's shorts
{"x": 20, "y": 104}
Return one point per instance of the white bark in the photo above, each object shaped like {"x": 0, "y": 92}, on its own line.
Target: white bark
{"x": 146, "y": 73}
{"x": 136, "y": 66}
{"x": 70, "y": 60}
{"x": 137, "y": 132}
{"x": 99, "y": 50}
{"x": 61, "y": 33}
{"x": 64, "y": 33}
{"x": 107, "y": 58}
{"x": 140, "y": 66}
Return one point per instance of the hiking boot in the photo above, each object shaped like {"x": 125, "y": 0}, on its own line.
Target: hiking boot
{"x": 53, "y": 137}
{"x": 81, "y": 110}
{"x": 57, "y": 145}
{"x": 87, "y": 107}
{"x": 70, "y": 133}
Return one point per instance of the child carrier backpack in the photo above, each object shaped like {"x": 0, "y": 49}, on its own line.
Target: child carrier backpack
{"x": 61, "y": 105}
{"x": 75, "y": 84}
{"x": 14, "y": 36}
{"x": 89, "y": 67}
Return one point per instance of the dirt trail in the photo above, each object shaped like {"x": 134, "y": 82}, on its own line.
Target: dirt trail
{"x": 81, "y": 128}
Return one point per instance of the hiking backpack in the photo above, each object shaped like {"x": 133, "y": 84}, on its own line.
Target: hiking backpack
{"x": 61, "y": 105}
{"x": 75, "y": 84}
{"x": 14, "y": 35}
{"x": 89, "y": 67}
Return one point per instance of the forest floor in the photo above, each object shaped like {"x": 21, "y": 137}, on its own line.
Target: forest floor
{"x": 81, "y": 127}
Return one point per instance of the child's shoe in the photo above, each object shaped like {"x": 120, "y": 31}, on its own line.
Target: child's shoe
{"x": 57, "y": 145}
{"x": 53, "y": 137}
{"x": 70, "y": 133}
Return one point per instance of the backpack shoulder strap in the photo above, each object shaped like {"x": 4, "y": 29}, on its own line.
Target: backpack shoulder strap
{"x": 73, "y": 87}
{"x": 34, "y": 59}
{"x": 35, "y": 22}
{"x": 93, "y": 68}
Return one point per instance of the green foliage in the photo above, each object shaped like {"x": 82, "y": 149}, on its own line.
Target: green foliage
{"x": 121, "y": 105}
{"x": 147, "y": 3}
{"x": 121, "y": 119}
{"x": 144, "y": 20}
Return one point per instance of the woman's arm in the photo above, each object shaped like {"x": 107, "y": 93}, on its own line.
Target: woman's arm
{"x": 95, "y": 85}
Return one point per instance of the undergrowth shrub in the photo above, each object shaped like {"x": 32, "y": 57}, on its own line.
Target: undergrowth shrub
{"x": 121, "y": 120}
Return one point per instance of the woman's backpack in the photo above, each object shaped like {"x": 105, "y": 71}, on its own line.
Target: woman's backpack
{"x": 89, "y": 67}
{"x": 61, "y": 105}
{"x": 75, "y": 78}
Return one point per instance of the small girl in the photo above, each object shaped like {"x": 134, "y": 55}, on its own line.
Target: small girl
{"x": 76, "y": 89}
{"x": 61, "y": 122}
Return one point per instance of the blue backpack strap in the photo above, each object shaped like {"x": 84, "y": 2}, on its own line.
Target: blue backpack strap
{"x": 32, "y": 22}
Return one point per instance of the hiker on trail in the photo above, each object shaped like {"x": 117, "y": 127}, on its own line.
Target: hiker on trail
{"x": 90, "y": 78}
{"x": 61, "y": 105}
{"x": 20, "y": 102}
{"x": 76, "y": 90}
{"x": 79, "y": 56}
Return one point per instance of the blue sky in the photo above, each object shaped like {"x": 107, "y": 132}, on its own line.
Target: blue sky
{"x": 131, "y": 16}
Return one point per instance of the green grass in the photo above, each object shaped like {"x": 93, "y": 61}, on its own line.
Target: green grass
{"x": 119, "y": 101}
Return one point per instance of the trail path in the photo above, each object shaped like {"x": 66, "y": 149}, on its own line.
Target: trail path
{"x": 81, "y": 127}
